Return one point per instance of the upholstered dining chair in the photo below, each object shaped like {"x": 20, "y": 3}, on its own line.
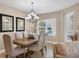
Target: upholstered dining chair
{"x": 10, "y": 51}
{"x": 25, "y": 35}
{"x": 40, "y": 44}
{"x": 19, "y": 35}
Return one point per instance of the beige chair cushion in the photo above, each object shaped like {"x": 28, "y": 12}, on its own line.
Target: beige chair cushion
{"x": 17, "y": 51}
{"x": 34, "y": 48}
{"x": 68, "y": 49}
{"x": 75, "y": 48}
{"x": 60, "y": 49}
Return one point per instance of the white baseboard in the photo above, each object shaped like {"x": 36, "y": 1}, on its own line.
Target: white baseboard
{"x": 2, "y": 51}
{"x": 52, "y": 42}
{"x": 49, "y": 41}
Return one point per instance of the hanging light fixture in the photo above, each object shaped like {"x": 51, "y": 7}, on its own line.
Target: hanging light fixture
{"x": 32, "y": 17}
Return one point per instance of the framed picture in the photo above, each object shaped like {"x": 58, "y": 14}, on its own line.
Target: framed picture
{"x": 6, "y": 23}
{"x": 20, "y": 24}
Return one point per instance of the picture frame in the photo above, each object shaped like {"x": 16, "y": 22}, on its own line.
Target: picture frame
{"x": 6, "y": 23}
{"x": 20, "y": 24}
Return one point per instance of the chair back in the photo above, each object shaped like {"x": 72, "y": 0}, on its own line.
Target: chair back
{"x": 41, "y": 39}
{"x": 45, "y": 39}
{"x": 19, "y": 35}
{"x": 25, "y": 35}
{"x": 7, "y": 44}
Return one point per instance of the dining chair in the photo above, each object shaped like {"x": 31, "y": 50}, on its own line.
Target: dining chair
{"x": 40, "y": 44}
{"x": 9, "y": 50}
{"x": 25, "y": 35}
{"x": 19, "y": 35}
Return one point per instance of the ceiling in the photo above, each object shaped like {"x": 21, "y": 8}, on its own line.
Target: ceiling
{"x": 40, "y": 6}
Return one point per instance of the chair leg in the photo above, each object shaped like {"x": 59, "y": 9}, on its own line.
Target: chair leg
{"x": 46, "y": 49}
{"x": 42, "y": 52}
{"x": 25, "y": 53}
{"x": 37, "y": 54}
{"x": 6, "y": 56}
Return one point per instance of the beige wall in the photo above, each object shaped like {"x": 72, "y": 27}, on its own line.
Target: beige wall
{"x": 9, "y": 11}
{"x": 60, "y": 21}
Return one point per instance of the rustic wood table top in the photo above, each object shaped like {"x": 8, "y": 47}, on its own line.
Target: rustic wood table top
{"x": 24, "y": 42}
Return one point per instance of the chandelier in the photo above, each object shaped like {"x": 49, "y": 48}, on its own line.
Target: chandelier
{"x": 32, "y": 17}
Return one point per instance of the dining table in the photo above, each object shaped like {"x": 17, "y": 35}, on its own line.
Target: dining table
{"x": 24, "y": 42}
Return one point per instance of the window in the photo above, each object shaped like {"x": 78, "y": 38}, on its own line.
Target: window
{"x": 48, "y": 26}
{"x": 42, "y": 25}
{"x": 69, "y": 25}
